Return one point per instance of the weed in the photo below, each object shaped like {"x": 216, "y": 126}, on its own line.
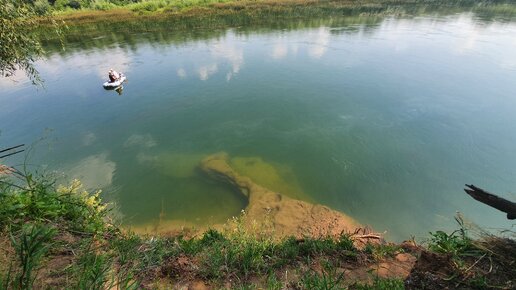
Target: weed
{"x": 273, "y": 283}
{"x": 149, "y": 6}
{"x": 155, "y": 250}
{"x": 5, "y": 279}
{"x": 126, "y": 248}
{"x": 102, "y": 5}
{"x": 382, "y": 251}
{"x": 93, "y": 271}
{"x": 480, "y": 282}
{"x": 345, "y": 243}
{"x": 31, "y": 245}
{"x": 38, "y": 199}
{"x": 192, "y": 246}
{"x": 456, "y": 243}
{"x": 329, "y": 278}
{"x": 245, "y": 287}
{"x": 210, "y": 237}
{"x": 381, "y": 284}
{"x": 286, "y": 251}
{"x": 315, "y": 247}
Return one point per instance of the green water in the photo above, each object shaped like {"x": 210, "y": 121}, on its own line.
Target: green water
{"x": 384, "y": 118}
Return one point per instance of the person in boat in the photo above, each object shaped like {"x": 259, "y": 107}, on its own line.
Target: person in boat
{"x": 113, "y": 75}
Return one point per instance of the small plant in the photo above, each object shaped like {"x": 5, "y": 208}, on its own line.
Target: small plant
{"x": 315, "y": 247}
{"x": 31, "y": 245}
{"x": 456, "y": 243}
{"x": 93, "y": 271}
{"x": 210, "y": 237}
{"x": 102, "y": 5}
{"x": 328, "y": 279}
{"x": 126, "y": 248}
{"x": 381, "y": 284}
{"x": 149, "y": 5}
{"x": 192, "y": 246}
{"x": 345, "y": 243}
{"x": 382, "y": 251}
{"x": 37, "y": 199}
{"x": 42, "y": 7}
{"x": 273, "y": 283}
{"x": 155, "y": 250}
{"x": 286, "y": 251}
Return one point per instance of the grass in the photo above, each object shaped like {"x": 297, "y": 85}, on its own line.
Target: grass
{"x": 328, "y": 279}
{"x": 255, "y": 10}
{"x": 31, "y": 243}
{"x": 381, "y": 284}
{"x": 382, "y": 251}
{"x": 486, "y": 261}
{"x": 68, "y": 230}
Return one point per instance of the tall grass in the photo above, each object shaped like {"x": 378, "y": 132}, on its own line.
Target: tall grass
{"x": 307, "y": 8}
{"x": 327, "y": 280}
{"x": 30, "y": 244}
{"x": 170, "y": 5}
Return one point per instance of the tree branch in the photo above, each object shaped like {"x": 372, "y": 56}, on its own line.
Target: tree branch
{"x": 492, "y": 200}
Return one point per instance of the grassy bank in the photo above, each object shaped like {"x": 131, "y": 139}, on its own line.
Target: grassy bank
{"x": 126, "y": 10}
{"x": 64, "y": 237}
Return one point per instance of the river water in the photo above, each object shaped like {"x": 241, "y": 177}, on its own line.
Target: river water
{"x": 384, "y": 118}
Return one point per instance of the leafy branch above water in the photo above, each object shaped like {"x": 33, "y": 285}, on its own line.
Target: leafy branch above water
{"x": 19, "y": 45}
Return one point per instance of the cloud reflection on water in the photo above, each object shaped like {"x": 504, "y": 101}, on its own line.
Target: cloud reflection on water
{"x": 230, "y": 53}
{"x": 279, "y": 51}
{"x": 319, "y": 46}
{"x": 138, "y": 140}
{"x": 181, "y": 73}
{"x": 206, "y": 71}
{"x": 95, "y": 171}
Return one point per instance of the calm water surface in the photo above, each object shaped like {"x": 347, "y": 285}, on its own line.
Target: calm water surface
{"x": 385, "y": 121}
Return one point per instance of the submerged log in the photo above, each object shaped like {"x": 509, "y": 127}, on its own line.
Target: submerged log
{"x": 492, "y": 200}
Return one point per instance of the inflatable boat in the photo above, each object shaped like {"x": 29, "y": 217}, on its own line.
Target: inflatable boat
{"x": 113, "y": 85}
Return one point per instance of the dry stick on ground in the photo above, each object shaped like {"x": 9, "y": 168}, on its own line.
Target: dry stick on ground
{"x": 492, "y": 200}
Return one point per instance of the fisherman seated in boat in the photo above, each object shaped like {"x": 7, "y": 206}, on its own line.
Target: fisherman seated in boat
{"x": 113, "y": 75}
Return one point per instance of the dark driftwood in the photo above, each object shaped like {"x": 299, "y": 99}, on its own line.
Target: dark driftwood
{"x": 492, "y": 200}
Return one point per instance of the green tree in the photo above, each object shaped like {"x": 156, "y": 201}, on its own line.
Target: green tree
{"x": 19, "y": 45}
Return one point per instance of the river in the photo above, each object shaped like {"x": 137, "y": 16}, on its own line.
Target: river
{"x": 383, "y": 118}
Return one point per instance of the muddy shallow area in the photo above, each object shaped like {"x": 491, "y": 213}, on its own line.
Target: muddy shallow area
{"x": 283, "y": 215}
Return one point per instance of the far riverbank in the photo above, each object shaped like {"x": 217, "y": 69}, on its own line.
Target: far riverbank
{"x": 249, "y": 12}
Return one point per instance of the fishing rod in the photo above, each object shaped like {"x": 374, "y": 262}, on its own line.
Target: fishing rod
{"x": 11, "y": 153}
